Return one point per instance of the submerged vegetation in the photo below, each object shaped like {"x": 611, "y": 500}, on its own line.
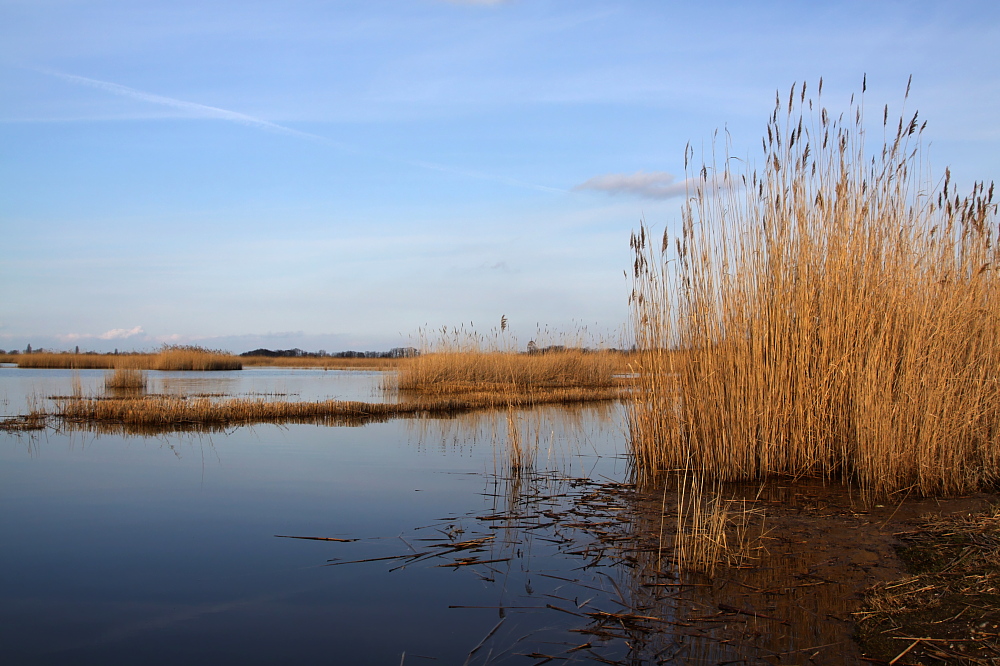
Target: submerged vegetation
{"x": 837, "y": 312}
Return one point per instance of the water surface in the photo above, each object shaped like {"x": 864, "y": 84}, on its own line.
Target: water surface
{"x": 489, "y": 538}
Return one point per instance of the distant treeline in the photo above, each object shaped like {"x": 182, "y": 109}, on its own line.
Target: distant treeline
{"x": 395, "y": 352}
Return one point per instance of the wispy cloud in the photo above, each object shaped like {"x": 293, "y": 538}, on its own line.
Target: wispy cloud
{"x": 482, "y": 3}
{"x": 650, "y": 185}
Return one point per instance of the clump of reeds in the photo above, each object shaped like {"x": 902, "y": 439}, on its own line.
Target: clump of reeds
{"x": 127, "y": 375}
{"x": 189, "y": 357}
{"x": 520, "y": 455}
{"x": 833, "y": 313}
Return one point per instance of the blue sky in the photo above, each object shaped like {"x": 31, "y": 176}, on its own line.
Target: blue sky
{"x": 338, "y": 175}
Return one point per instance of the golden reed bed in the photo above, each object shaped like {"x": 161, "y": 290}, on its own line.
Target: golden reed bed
{"x": 838, "y": 313}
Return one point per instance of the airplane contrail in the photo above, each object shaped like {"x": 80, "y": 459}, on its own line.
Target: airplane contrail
{"x": 206, "y": 111}
{"x": 203, "y": 110}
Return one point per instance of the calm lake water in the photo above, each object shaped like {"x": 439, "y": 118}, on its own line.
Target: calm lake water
{"x": 429, "y": 542}
{"x": 162, "y": 549}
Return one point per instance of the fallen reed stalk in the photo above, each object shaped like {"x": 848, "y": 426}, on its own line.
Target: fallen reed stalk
{"x": 948, "y": 597}
{"x": 834, "y": 313}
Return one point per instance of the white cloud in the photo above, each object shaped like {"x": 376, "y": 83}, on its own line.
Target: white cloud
{"x": 650, "y": 185}
{"x": 120, "y": 333}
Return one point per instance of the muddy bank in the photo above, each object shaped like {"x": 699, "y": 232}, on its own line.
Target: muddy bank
{"x": 947, "y": 609}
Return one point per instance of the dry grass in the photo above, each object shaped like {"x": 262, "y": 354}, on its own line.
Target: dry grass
{"x": 167, "y": 412}
{"x": 194, "y": 358}
{"x": 837, "y": 312}
{"x": 33, "y": 421}
{"x": 168, "y": 358}
{"x": 460, "y": 359}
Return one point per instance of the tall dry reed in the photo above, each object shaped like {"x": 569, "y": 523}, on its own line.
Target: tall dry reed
{"x": 834, "y": 312}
